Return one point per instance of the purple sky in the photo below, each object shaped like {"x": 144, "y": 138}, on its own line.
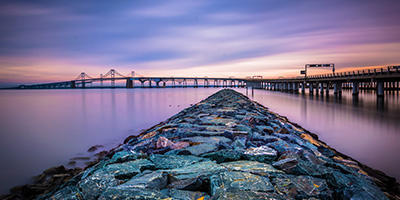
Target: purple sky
{"x": 42, "y": 41}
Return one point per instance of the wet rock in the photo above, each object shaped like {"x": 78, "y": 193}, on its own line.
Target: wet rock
{"x": 95, "y": 148}
{"x": 265, "y": 129}
{"x": 180, "y": 145}
{"x": 241, "y": 195}
{"x": 93, "y": 186}
{"x": 203, "y": 169}
{"x": 127, "y": 170}
{"x": 148, "y": 180}
{"x": 202, "y": 148}
{"x": 68, "y": 193}
{"x": 261, "y": 154}
{"x": 185, "y": 195}
{"x": 231, "y": 181}
{"x": 199, "y": 139}
{"x": 286, "y": 164}
{"x": 163, "y": 142}
{"x": 300, "y": 187}
{"x": 173, "y": 161}
{"x": 224, "y": 155}
{"x": 118, "y": 193}
{"x": 253, "y": 167}
{"x": 239, "y": 143}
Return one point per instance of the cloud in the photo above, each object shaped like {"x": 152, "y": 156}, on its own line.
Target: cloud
{"x": 194, "y": 38}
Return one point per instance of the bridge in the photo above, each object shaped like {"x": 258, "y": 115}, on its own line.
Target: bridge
{"x": 380, "y": 79}
{"x": 86, "y": 81}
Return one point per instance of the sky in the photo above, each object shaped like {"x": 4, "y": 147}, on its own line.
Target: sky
{"x": 46, "y": 41}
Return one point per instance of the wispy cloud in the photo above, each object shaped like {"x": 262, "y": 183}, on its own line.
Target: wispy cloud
{"x": 202, "y": 38}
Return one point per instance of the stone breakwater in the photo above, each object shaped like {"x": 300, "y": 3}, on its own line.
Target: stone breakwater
{"x": 226, "y": 147}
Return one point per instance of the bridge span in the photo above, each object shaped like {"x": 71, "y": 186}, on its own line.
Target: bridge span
{"x": 369, "y": 79}
{"x": 380, "y": 79}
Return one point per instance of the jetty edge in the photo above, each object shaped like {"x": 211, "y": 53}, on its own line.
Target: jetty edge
{"x": 227, "y": 147}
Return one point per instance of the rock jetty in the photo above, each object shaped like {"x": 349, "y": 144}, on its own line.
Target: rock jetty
{"x": 226, "y": 147}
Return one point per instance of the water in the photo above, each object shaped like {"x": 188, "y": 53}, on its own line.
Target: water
{"x": 44, "y": 128}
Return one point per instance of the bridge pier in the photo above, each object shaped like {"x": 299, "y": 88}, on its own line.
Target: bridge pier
{"x": 356, "y": 87}
{"x": 327, "y": 88}
{"x": 73, "y": 85}
{"x": 380, "y": 88}
{"x": 311, "y": 88}
{"x": 296, "y": 87}
{"x": 337, "y": 88}
{"x": 129, "y": 83}
{"x": 321, "y": 89}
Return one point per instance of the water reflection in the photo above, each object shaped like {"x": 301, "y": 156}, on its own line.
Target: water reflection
{"x": 364, "y": 126}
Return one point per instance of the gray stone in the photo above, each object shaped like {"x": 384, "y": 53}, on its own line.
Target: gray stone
{"x": 231, "y": 181}
{"x": 245, "y": 195}
{"x": 253, "y": 167}
{"x": 202, "y": 148}
{"x": 201, "y": 169}
{"x": 68, "y": 193}
{"x": 173, "y": 161}
{"x": 127, "y": 170}
{"x": 286, "y": 164}
{"x": 186, "y": 195}
{"x": 300, "y": 187}
{"x": 224, "y": 155}
{"x": 117, "y": 193}
{"x": 94, "y": 185}
{"x": 151, "y": 180}
{"x": 261, "y": 154}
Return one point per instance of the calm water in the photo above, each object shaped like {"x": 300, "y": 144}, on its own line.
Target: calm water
{"x": 44, "y": 128}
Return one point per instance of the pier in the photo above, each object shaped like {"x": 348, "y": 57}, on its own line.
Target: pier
{"x": 368, "y": 79}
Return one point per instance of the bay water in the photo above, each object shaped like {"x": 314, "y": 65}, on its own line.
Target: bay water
{"x": 44, "y": 128}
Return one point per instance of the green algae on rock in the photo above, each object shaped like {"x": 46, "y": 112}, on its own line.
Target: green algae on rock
{"x": 226, "y": 147}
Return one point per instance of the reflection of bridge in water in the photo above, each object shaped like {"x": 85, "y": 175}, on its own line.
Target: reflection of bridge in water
{"x": 369, "y": 79}
{"x": 86, "y": 81}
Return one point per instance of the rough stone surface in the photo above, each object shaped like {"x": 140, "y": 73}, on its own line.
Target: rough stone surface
{"x": 225, "y": 147}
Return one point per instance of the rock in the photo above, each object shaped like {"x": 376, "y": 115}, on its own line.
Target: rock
{"x": 286, "y": 164}
{"x": 203, "y": 169}
{"x": 301, "y": 187}
{"x": 128, "y": 169}
{"x": 68, "y": 193}
{"x": 261, "y": 154}
{"x": 239, "y": 143}
{"x": 180, "y": 145}
{"x": 93, "y": 186}
{"x": 215, "y": 139}
{"x": 29, "y": 191}
{"x": 151, "y": 180}
{"x": 202, "y": 148}
{"x": 173, "y": 161}
{"x": 224, "y": 155}
{"x": 241, "y": 195}
{"x": 163, "y": 142}
{"x": 253, "y": 167}
{"x": 95, "y": 148}
{"x": 117, "y": 193}
{"x": 185, "y": 195}
{"x": 231, "y": 181}
{"x": 124, "y": 156}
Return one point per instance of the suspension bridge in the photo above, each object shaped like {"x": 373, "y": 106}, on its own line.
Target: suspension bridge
{"x": 380, "y": 79}
{"x": 86, "y": 81}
